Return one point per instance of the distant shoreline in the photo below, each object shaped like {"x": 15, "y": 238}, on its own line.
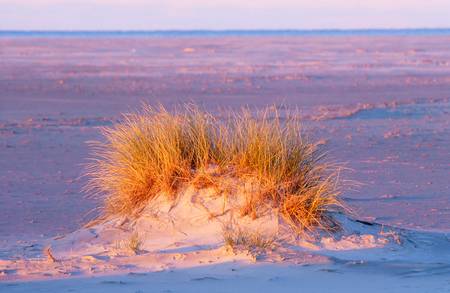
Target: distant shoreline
{"x": 225, "y": 33}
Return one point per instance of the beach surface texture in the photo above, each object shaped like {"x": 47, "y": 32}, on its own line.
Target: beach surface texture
{"x": 379, "y": 104}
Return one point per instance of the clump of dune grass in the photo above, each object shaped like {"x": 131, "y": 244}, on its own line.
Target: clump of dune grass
{"x": 132, "y": 244}
{"x": 49, "y": 254}
{"x": 236, "y": 238}
{"x": 157, "y": 152}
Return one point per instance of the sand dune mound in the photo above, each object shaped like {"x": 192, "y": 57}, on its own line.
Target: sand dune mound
{"x": 203, "y": 228}
{"x": 196, "y": 220}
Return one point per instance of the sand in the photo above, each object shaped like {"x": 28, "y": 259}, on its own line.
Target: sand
{"x": 381, "y": 104}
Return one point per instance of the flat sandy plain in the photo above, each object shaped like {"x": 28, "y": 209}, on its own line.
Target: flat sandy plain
{"x": 380, "y": 104}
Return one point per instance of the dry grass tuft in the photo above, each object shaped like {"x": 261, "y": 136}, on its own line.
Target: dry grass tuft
{"x": 156, "y": 152}
{"x": 48, "y": 253}
{"x": 131, "y": 245}
{"x": 237, "y": 239}
{"x": 134, "y": 243}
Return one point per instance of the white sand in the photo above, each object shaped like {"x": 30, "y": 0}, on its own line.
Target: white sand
{"x": 183, "y": 244}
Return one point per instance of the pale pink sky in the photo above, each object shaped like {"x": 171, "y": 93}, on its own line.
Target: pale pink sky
{"x": 221, "y": 14}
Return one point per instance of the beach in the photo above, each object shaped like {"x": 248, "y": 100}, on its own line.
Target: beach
{"x": 379, "y": 104}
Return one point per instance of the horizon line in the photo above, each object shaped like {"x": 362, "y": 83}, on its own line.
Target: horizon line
{"x": 226, "y": 30}
{"x": 180, "y": 33}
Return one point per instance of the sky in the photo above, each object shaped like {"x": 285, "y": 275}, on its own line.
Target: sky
{"x": 222, "y": 14}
